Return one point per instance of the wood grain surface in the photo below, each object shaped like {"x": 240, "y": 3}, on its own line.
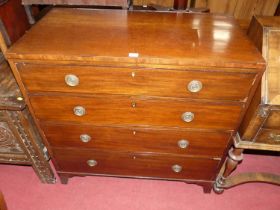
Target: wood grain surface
{"x": 273, "y": 120}
{"x": 155, "y": 38}
{"x": 135, "y": 164}
{"x": 133, "y": 70}
{"x": 217, "y": 85}
{"x": 201, "y": 143}
{"x": 118, "y": 110}
{"x": 268, "y": 136}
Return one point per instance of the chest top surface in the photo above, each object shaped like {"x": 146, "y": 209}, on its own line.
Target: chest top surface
{"x": 138, "y": 37}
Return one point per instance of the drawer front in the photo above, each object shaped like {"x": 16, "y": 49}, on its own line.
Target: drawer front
{"x": 135, "y": 165}
{"x": 137, "y": 139}
{"x": 268, "y": 136}
{"x": 135, "y": 111}
{"x": 107, "y": 80}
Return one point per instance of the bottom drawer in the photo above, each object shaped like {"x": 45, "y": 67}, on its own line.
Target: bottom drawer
{"x": 135, "y": 164}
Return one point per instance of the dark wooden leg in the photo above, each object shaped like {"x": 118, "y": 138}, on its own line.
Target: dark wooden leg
{"x": 207, "y": 186}
{"x": 225, "y": 181}
{"x": 234, "y": 157}
{"x": 6, "y": 39}
{"x": 207, "y": 189}
{"x": 63, "y": 178}
{"x": 28, "y": 11}
{"x": 3, "y": 205}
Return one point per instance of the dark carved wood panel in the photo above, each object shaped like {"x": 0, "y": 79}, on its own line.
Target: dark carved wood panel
{"x": 31, "y": 142}
{"x": 8, "y": 142}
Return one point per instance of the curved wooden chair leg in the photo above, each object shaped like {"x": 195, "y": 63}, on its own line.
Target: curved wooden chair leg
{"x": 251, "y": 177}
{"x": 63, "y": 178}
{"x": 235, "y": 156}
{"x": 225, "y": 182}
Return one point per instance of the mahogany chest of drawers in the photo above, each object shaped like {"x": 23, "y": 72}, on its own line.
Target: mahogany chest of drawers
{"x": 137, "y": 94}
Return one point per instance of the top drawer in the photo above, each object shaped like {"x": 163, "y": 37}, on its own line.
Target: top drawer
{"x": 131, "y": 81}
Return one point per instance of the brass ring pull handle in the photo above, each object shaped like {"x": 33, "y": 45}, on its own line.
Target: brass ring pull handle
{"x": 92, "y": 163}
{"x": 177, "y": 168}
{"x": 72, "y": 80}
{"x": 79, "y": 111}
{"x": 85, "y": 138}
{"x": 183, "y": 144}
{"x": 195, "y": 86}
{"x": 187, "y": 116}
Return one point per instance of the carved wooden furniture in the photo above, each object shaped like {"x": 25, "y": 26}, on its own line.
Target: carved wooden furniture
{"x": 20, "y": 142}
{"x": 261, "y": 126}
{"x": 137, "y": 94}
